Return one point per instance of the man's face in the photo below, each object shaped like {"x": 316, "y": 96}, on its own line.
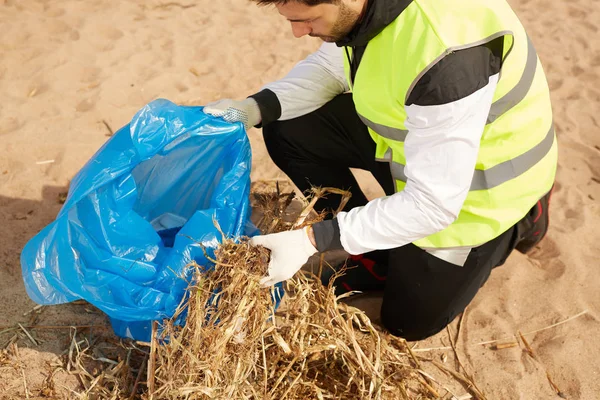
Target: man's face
{"x": 330, "y": 22}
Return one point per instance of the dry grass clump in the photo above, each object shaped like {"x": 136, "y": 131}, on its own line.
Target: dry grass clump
{"x": 106, "y": 367}
{"x": 235, "y": 345}
{"x": 227, "y": 313}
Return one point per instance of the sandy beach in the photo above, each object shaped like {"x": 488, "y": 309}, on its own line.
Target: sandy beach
{"x": 72, "y": 72}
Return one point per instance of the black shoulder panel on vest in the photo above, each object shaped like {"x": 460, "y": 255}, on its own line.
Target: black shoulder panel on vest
{"x": 458, "y": 75}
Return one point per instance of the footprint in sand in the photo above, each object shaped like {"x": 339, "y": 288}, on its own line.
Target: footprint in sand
{"x": 36, "y": 88}
{"x": 589, "y": 155}
{"x": 548, "y": 344}
{"x": 181, "y": 87}
{"x": 547, "y": 256}
{"x": 482, "y": 319}
{"x": 595, "y": 61}
{"x": 574, "y": 95}
{"x": 555, "y": 83}
{"x": 577, "y": 13}
{"x": 111, "y": 33}
{"x": 577, "y": 71}
{"x": 57, "y": 27}
{"x": 589, "y": 26}
{"x": 55, "y": 12}
{"x": 146, "y": 73}
{"x": 89, "y": 74}
{"x": 74, "y": 35}
{"x": 10, "y": 124}
{"x": 557, "y": 188}
{"x": 55, "y": 170}
{"x": 572, "y": 218}
{"x": 593, "y": 95}
{"x": 106, "y": 38}
{"x": 569, "y": 383}
{"x": 86, "y": 105}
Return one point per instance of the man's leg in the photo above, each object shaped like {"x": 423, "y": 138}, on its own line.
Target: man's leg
{"x": 423, "y": 293}
{"x": 318, "y": 149}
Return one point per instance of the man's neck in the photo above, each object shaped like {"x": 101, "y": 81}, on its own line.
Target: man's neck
{"x": 363, "y": 11}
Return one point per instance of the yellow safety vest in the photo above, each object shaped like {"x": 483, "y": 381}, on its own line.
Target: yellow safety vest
{"x": 517, "y": 159}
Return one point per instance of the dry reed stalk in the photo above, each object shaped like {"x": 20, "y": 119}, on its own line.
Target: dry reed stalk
{"x": 458, "y": 328}
{"x": 152, "y": 362}
{"x": 531, "y": 354}
{"x": 584, "y": 312}
{"x": 108, "y": 128}
{"x": 471, "y": 386}
{"x": 102, "y": 376}
{"x": 502, "y": 346}
{"x": 15, "y": 351}
{"x": 28, "y": 335}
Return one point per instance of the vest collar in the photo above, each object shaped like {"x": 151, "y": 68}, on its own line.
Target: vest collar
{"x": 378, "y": 15}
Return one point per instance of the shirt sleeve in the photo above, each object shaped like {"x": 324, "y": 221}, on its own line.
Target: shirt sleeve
{"x": 441, "y": 150}
{"x": 309, "y": 85}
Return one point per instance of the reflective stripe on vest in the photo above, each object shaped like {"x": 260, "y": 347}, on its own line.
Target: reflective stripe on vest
{"x": 386, "y": 131}
{"x": 495, "y": 176}
{"x": 519, "y": 92}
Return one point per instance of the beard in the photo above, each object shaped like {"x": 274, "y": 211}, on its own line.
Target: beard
{"x": 343, "y": 25}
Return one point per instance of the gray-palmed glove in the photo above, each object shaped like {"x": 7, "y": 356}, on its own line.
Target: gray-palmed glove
{"x": 244, "y": 111}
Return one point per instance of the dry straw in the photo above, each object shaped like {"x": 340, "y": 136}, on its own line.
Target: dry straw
{"x": 236, "y": 345}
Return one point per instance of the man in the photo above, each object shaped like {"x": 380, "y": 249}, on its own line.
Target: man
{"x": 446, "y": 103}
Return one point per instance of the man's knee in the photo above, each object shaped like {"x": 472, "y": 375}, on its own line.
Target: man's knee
{"x": 279, "y": 139}
{"x": 414, "y": 327}
{"x": 272, "y": 139}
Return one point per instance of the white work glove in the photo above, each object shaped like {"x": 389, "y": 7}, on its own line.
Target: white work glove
{"x": 245, "y": 111}
{"x": 289, "y": 252}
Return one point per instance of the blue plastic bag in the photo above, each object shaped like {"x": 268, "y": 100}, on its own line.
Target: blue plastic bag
{"x": 138, "y": 213}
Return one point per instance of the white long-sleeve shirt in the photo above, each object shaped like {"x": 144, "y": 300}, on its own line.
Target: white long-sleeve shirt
{"x": 311, "y": 83}
{"x": 441, "y": 150}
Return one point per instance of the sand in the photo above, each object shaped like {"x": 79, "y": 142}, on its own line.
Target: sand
{"x": 69, "y": 70}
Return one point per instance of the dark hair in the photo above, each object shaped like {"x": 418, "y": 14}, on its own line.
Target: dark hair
{"x": 305, "y": 2}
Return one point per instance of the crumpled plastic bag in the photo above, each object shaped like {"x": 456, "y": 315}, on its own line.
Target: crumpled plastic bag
{"x": 141, "y": 210}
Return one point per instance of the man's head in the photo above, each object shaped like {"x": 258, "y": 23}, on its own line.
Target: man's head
{"x": 330, "y": 20}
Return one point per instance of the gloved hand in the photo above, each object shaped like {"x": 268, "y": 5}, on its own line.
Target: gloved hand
{"x": 289, "y": 252}
{"x": 245, "y": 111}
